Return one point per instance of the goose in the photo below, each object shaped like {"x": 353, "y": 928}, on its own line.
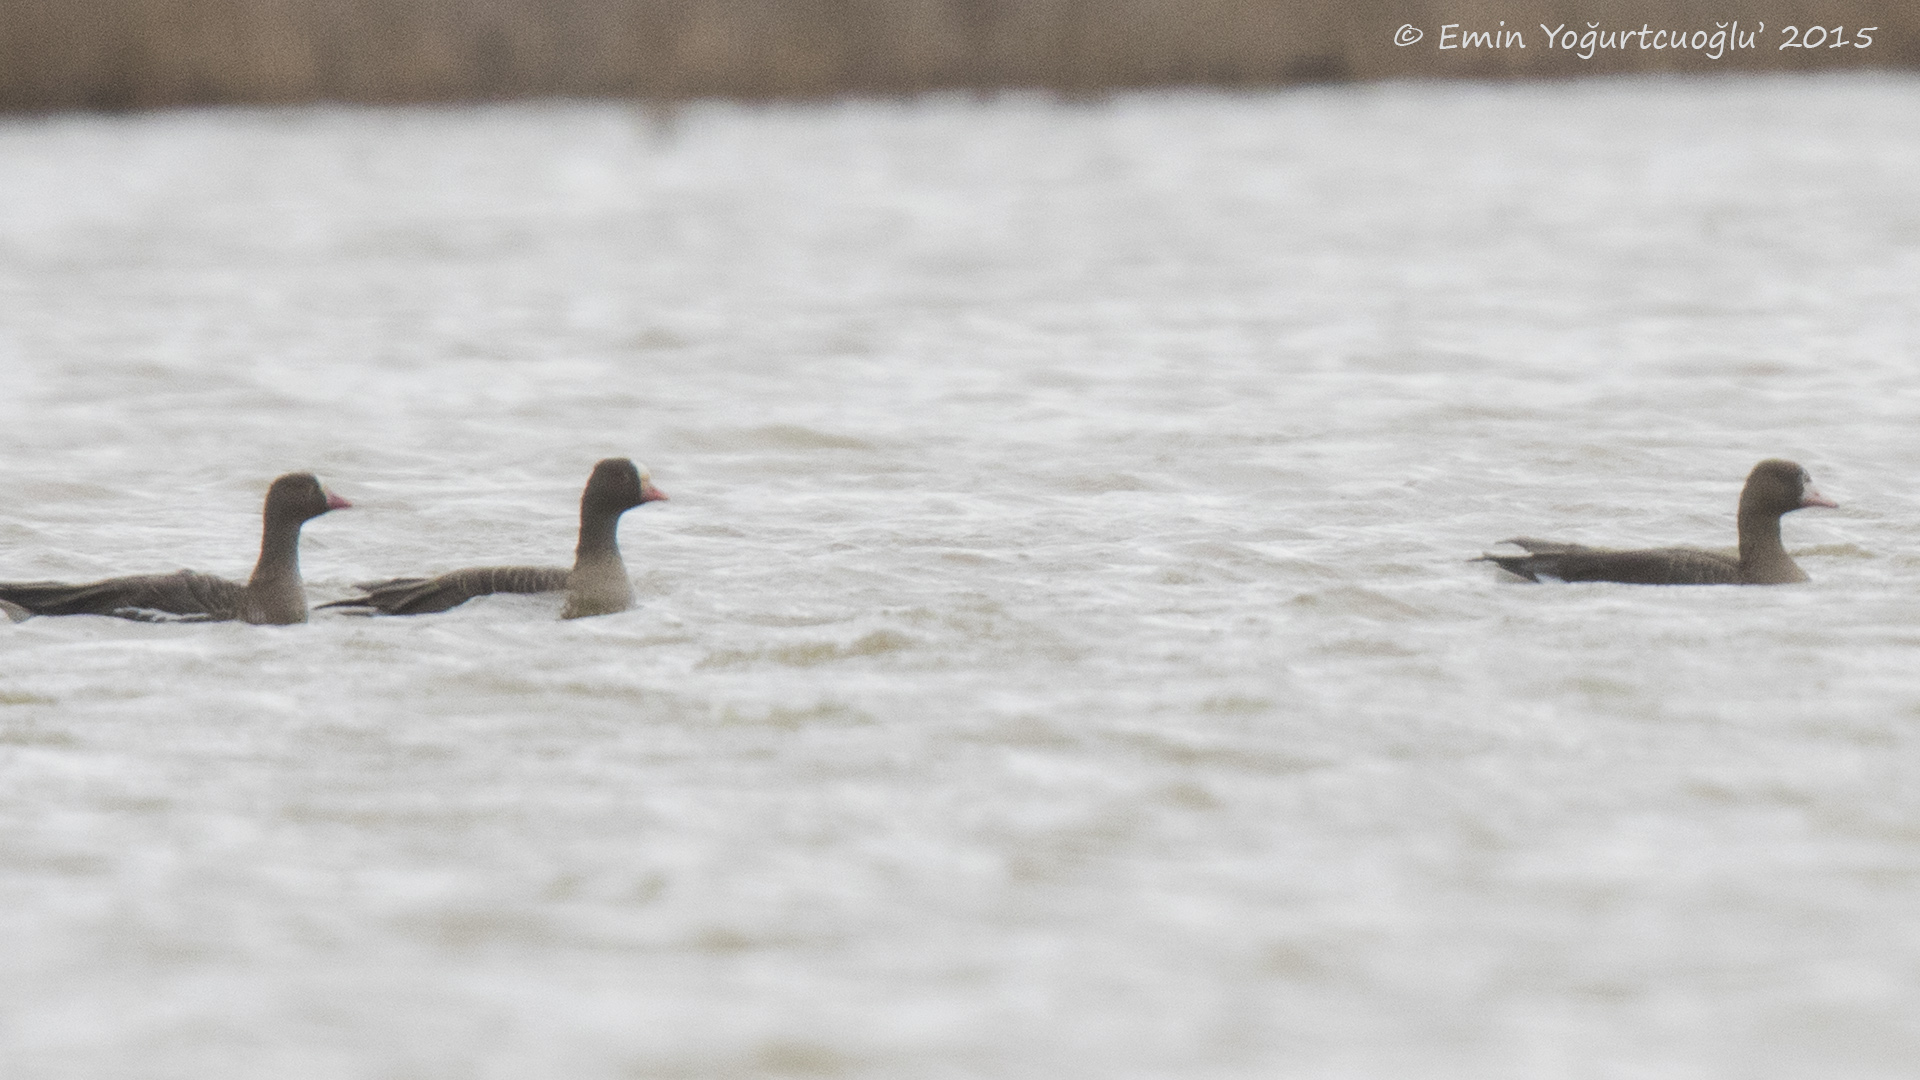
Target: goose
{"x": 1773, "y": 488}
{"x": 596, "y": 585}
{"x": 272, "y": 596}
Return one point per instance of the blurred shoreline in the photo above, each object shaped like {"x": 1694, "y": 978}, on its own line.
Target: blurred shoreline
{"x": 134, "y": 54}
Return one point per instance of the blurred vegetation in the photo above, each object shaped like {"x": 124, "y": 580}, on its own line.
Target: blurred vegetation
{"x": 116, "y": 54}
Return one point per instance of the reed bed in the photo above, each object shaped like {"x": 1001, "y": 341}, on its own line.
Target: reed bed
{"x": 117, "y": 54}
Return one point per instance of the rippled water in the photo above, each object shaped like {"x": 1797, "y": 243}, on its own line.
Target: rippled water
{"x": 1059, "y": 656}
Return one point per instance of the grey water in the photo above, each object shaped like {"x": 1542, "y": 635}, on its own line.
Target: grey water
{"x": 1060, "y": 655}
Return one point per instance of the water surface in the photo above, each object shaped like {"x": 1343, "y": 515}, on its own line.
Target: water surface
{"x": 1059, "y": 656}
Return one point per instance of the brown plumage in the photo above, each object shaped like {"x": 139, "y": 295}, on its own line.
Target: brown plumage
{"x": 1773, "y": 488}
{"x": 596, "y": 585}
{"x": 273, "y": 595}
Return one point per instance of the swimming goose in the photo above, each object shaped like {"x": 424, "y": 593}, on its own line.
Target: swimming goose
{"x": 597, "y": 584}
{"x": 273, "y": 595}
{"x": 1774, "y": 488}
